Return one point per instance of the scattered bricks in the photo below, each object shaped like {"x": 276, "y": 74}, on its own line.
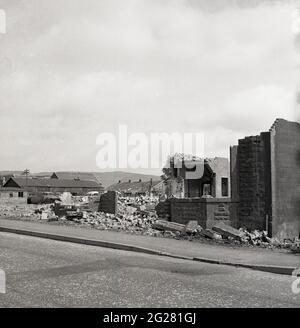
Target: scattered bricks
{"x": 93, "y": 204}
{"x": 61, "y": 210}
{"x": 169, "y": 234}
{"x": 131, "y": 209}
{"x": 227, "y": 231}
{"x": 150, "y": 207}
{"x": 210, "y": 234}
{"x": 71, "y": 215}
{"x": 192, "y": 227}
{"x": 295, "y": 248}
{"x": 135, "y": 216}
{"x": 168, "y": 226}
{"x": 53, "y": 218}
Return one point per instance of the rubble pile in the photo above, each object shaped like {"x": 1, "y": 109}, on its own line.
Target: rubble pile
{"x": 28, "y": 212}
{"x": 134, "y": 215}
{"x": 295, "y": 247}
{"x": 137, "y": 215}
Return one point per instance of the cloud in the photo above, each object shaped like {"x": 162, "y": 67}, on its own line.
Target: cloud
{"x": 70, "y": 70}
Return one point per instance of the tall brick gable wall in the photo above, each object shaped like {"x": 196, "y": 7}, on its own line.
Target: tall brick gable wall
{"x": 285, "y": 168}
{"x": 252, "y": 159}
{"x": 265, "y": 172}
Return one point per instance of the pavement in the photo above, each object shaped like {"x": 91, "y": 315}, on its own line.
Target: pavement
{"x": 275, "y": 261}
{"x": 47, "y": 273}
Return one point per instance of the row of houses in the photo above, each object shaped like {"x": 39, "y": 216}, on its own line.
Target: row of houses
{"x": 73, "y": 182}
{"x": 138, "y": 188}
{"x": 77, "y": 183}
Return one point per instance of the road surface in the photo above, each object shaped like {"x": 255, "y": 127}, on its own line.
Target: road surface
{"x": 47, "y": 273}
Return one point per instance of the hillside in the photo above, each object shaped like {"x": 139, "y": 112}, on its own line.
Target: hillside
{"x": 106, "y": 178}
{"x": 109, "y": 178}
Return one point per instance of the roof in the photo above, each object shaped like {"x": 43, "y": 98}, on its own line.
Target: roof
{"x": 58, "y": 183}
{"x": 133, "y": 187}
{"x": 87, "y": 176}
{"x": 8, "y": 189}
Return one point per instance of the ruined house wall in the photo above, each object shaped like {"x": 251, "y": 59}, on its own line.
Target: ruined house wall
{"x": 221, "y": 168}
{"x": 265, "y": 174}
{"x": 285, "y": 155}
{"x": 253, "y": 176}
{"x": 234, "y": 187}
{"x": 207, "y": 211}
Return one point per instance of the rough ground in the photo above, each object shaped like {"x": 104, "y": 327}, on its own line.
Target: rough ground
{"x": 135, "y": 216}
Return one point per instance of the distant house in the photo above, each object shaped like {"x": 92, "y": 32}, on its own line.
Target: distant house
{"x": 86, "y": 176}
{"x": 138, "y": 188}
{"x": 6, "y": 175}
{"x": 34, "y": 185}
{"x": 12, "y": 193}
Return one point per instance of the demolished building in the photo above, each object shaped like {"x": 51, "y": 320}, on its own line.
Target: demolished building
{"x": 198, "y": 189}
{"x": 258, "y": 190}
{"x": 197, "y": 177}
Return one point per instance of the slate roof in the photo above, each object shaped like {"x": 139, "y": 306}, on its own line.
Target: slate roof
{"x": 58, "y": 183}
{"x": 74, "y": 175}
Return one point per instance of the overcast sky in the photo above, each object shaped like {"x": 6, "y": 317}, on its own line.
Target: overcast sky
{"x": 72, "y": 69}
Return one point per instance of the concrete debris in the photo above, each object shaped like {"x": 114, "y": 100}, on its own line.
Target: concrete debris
{"x": 66, "y": 198}
{"x": 169, "y": 226}
{"x": 137, "y": 215}
{"x": 227, "y": 231}
{"x": 295, "y": 247}
{"x": 208, "y": 233}
{"x": 192, "y": 227}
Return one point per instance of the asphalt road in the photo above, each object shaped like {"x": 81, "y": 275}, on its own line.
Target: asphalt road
{"x": 46, "y": 273}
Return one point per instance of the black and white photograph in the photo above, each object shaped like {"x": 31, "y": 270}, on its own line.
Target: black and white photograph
{"x": 150, "y": 157}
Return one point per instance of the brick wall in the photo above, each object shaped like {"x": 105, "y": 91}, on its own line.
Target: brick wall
{"x": 108, "y": 202}
{"x": 285, "y": 154}
{"x": 207, "y": 211}
{"x": 163, "y": 209}
{"x": 252, "y": 168}
{"x": 265, "y": 172}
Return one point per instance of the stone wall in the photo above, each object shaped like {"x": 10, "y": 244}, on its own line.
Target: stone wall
{"x": 207, "y": 211}
{"x": 285, "y": 154}
{"x": 265, "y": 178}
{"x": 163, "y": 209}
{"x": 108, "y": 202}
{"x": 253, "y": 168}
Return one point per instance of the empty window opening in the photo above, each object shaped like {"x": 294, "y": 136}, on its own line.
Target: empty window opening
{"x": 225, "y": 187}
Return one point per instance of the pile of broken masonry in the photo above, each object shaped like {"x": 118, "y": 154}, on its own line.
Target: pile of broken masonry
{"x": 138, "y": 216}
